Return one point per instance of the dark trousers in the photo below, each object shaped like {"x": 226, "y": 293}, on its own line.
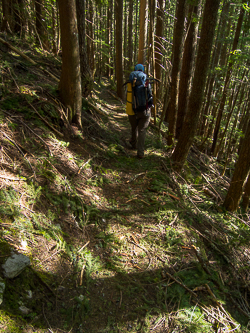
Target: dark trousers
{"x": 139, "y": 124}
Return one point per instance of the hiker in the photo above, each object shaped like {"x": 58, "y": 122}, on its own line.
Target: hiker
{"x": 138, "y": 108}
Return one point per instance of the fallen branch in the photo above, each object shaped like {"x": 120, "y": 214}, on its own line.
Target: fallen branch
{"x": 28, "y": 58}
{"x": 10, "y": 178}
{"x": 181, "y": 284}
{"x": 145, "y": 250}
{"x": 116, "y": 97}
{"x": 17, "y": 146}
{"x": 59, "y": 109}
{"x": 95, "y": 108}
{"x": 37, "y": 136}
{"x": 18, "y": 51}
{"x": 45, "y": 121}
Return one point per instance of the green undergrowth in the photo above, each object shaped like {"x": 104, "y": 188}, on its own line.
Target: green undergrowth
{"x": 117, "y": 244}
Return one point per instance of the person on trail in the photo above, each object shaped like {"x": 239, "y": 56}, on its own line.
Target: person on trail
{"x": 138, "y": 108}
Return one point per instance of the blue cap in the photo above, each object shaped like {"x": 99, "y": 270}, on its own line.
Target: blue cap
{"x": 139, "y": 67}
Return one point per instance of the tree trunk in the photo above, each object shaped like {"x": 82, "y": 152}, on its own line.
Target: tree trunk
{"x": 246, "y": 196}
{"x": 187, "y": 65}
{"x": 119, "y": 47}
{"x": 177, "y": 55}
{"x": 233, "y": 137}
{"x": 143, "y": 31}
{"x": 6, "y": 23}
{"x": 91, "y": 37}
{"x": 86, "y": 77}
{"x": 109, "y": 37}
{"x": 227, "y": 80}
{"x": 158, "y": 42}
{"x": 240, "y": 175}
{"x": 40, "y": 27}
{"x": 151, "y": 54}
{"x": 70, "y": 81}
{"x": 136, "y": 33}
{"x": 54, "y": 30}
{"x": 125, "y": 39}
{"x": 216, "y": 56}
{"x": 195, "y": 101}
{"x": 19, "y": 17}
{"x": 130, "y": 35}
{"x": 235, "y": 99}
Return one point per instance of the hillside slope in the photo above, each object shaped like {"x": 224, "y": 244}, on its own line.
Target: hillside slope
{"x": 116, "y": 244}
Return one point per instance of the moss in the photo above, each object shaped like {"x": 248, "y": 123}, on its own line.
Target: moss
{"x": 5, "y": 250}
{"x": 11, "y": 324}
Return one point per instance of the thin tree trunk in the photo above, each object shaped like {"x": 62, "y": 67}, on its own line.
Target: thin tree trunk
{"x": 108, "y": 38}
{"x": 151, "y": 53}
{"x": 159, "y": 29}
{"x": 187, "y": 65}
{"x": 125, "y": 42}
{"x": 91, "y": 37}
{"x": 227, "y": 80}
{"x": 232, "y": 140}
{"x": 143, "y": 31}
{"x": 86, "y": 76}
{"x": 218, "y": 147}
{"x": 195, "y": 101}
{"x": 177, "y": 55}
{"x": 130, "y": 34}
{"x": 240, "y": 175}
{"x": 216, "y": 56}
{"x": 40, "y": 27}
{"x": 136, "y": 32}
{"x": 6, "y": 23}
{"x": 119, "y": 47}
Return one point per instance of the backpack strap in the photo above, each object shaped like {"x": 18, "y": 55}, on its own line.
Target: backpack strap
{"x": 133, "y": 89}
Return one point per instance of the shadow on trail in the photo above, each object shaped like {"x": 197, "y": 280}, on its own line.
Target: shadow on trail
{"x": 109, "y": 291}
{"x": 130, "y": 302}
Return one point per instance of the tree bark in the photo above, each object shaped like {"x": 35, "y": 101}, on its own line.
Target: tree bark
{"x": 187, "y": 65}
{"x": 6, "y": 23}
{"x": 70, "y": 81}
{"x": 91, "y": 37}
{"x": 227, "y": 80}
{"x": 246, "y": 196}
{"x": 196, "y": 97}
{"x": 240, "y": 175}
{"x": 143, "y": 31}
{"x": 130, "y": 34}
{"x": 19, "y": 17}
{"x": 109, "y": 37}
{"x": 158, "y": 41}
{"x": 40, "y": 27}
{"x": 216, "y": 56}
{"x": 177, "y": 55}
{"x": 240, "y": 89}
{"x": 119, "y": 48}
{"x": 86, "y": 76}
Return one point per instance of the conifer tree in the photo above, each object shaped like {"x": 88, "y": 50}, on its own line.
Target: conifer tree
{"x": 196, "y": 96}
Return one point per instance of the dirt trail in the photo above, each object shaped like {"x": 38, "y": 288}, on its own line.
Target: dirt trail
{"x": 117, "y": 244}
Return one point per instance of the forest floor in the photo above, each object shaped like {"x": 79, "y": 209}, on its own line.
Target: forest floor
{"x": 116, "y": 244}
